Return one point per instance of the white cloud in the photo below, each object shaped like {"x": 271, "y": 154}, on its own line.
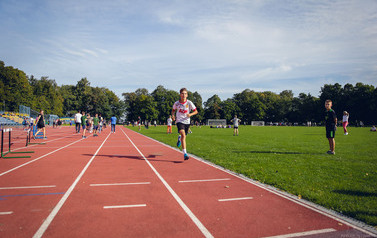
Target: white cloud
{"x": 271, "y": 45}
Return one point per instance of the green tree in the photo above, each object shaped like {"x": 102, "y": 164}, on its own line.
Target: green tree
{"x": 140, "y": 103}
{"x": 251, "y": 108}
{"x": 14, "y": 88}
{"x": 164, "y": 99}
{"x": 213, "y": 107}
{"x": 229, "y": 109}
{"x": 70, "y": 103}
{"x": 47, "y": 96}
{"x": 196, "y": 98}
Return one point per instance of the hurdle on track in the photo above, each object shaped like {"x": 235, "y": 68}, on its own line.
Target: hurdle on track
{"x": 3, "y": 154}
{"x": 28, "y": 139}
{"x": 39, "y": 135}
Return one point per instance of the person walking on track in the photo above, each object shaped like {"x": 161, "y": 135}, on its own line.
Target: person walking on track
{"x": 40, "y": 121}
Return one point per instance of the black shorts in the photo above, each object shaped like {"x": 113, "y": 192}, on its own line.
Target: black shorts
{"x": 235, "y": 127}
{"x": 182, "y": 126}
{"x": 330, "y": 132}
{"x": 40, "y": 125}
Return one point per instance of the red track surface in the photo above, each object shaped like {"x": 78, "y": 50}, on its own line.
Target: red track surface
{"x": 85, "y": 179}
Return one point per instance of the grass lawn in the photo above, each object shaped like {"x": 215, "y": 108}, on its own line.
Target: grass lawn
{"x": 294, "y": 159}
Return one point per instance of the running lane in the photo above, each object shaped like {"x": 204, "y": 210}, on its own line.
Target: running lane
{"x": 119, "y": 195}
{"x": 229, "y": 206}
{"x": 29, "y": 193}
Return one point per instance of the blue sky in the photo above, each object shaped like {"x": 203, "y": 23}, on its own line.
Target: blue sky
{"x": 210, "y": 46}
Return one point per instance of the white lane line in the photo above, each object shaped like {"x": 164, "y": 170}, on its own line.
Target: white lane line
{"x": 119, "y": 184}
{"x": 196, "y": 221}
{"x": 56, "y": 209}
{"x": 202, "y": 180}
{"x": 27, "y": 187}
{"x": 234, "y": 199}
{"x": 39, "y": 158}
{"x": 323, "y": 211}
{"x": 5, "y": 213}
{"x": 306, "y": 233}
{"x": 125, "y": 206}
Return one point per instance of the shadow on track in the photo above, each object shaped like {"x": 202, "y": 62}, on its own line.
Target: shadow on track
{"x": 149, "y": 157}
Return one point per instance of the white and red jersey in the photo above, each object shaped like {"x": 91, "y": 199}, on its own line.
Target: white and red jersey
{"x": 183, "y": 109}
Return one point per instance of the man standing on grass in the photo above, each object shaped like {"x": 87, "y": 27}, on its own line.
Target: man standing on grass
{"x": 182, "y": 109}
{"x": 235, "y": 121}
{"x": 330, "y": 121}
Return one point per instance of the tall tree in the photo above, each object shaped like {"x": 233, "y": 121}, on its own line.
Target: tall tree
{"x": 213, "y": 107}
{"x": 14, "y": 88}
{"x": 47, "y": 96}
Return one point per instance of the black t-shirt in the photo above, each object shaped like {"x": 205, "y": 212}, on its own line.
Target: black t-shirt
{"x": 41, "y": 120}
{"x": 330, "y": 117}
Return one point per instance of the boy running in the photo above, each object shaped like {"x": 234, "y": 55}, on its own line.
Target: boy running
{"x": 330, "y": 121}
{"x": 182, "y": 109}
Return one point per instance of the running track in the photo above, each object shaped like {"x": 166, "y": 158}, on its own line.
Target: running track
{"x": 127, "y": 185}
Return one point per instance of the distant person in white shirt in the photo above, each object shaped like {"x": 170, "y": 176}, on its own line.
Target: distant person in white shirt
{"x": 236, "y": 122}
{"x": 78, "y": 121}
{"x": 182, "y": 109}
{"x": 170, "y": 123}
{"x": 346, "y": 115}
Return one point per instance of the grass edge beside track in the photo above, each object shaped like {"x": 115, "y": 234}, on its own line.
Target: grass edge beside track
{"x": 320, "y": 156}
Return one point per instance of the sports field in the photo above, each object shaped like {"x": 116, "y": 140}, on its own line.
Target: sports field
{"x": 294, "y": 159}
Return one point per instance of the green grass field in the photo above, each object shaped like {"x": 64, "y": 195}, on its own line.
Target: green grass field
{"x": 294, "y": 159}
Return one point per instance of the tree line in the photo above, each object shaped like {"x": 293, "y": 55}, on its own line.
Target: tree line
{"x": 359, "y": 100}
{"x": 16, "y": 88}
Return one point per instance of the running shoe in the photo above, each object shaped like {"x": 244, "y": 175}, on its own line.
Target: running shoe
{"x": 186, "y": 157}
{"x": 179, "y": 141}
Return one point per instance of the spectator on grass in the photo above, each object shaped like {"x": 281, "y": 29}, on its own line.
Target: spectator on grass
{"x": 330, "y": 121}
{"x": 170, "y": 123}
{"x": 139, "y": 122}
{"x": 346, "y": 115}
{"x": 373, "y": 129}
{"x": 235, "y": 121}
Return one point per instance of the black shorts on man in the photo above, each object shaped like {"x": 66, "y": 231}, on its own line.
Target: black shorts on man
{"x": 182, "y": 126}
